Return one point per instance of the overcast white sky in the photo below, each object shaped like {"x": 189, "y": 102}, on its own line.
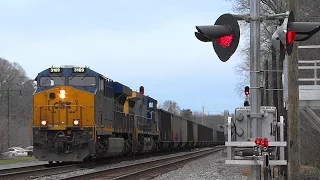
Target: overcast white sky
{"x": 142, "y": 42}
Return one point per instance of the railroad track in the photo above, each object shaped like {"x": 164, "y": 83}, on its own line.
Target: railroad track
{"x": 31, "y": 172}
{"x": 36, "y": 171}
{"x": 146, "y": 170}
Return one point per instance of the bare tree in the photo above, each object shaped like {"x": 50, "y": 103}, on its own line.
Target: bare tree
{"x": 171, "y": 106}
{"x": 197, "y": 116}
{"x": 212, "y": 121}
{"x": 16, "y": 91}
{"x": 267, "y": 29}
{"x": 186, "y": 113}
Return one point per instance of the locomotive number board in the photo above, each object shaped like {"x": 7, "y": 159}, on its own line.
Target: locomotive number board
{"x": 55, "y": 70}
{"x": 78, "y": 70}
{"x": 74, "y": 70}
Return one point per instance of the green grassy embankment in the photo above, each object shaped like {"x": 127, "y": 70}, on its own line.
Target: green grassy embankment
{"x": 17, "y": 160}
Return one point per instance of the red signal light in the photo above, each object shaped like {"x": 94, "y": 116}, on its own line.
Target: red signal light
{"x": 246, "y": 90}
{"x": 291, "y": 35}
{"x": 257, "y": 141}
{"x": 262, "y": 142}
{"x": 225, "y": 41}
{"x": 266, "y": 142}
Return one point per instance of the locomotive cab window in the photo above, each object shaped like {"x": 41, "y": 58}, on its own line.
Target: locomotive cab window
{"x": 82, "y": 81}
{"x": 51, "y": 81}
{"x": 101, "y": 84}
{"x": 150, "y": 104}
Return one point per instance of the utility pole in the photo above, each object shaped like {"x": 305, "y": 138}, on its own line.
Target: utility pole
{"x": 293, "y": 110}
{"x": 255, "y": 76}
{"x": 8, "y": 113}
{"x": 204, "y": 101}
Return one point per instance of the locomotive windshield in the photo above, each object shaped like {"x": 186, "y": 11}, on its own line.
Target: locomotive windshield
{"x": 52, "y": 81}
{"x": 46, "y": 81}
{"x": 82, "y": 81}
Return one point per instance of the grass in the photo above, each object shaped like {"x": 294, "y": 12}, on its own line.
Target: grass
{"x": 246, "y": 172}
{"x": 305, "y": 171}
{"x": 17, "y": 160}
{"x": 309, "y": 172}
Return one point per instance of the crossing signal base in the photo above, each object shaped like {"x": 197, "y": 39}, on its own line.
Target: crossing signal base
{"x": 244, "y": 150}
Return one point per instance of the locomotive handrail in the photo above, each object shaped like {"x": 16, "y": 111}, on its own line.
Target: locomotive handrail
{"x": 119, "y": 111}
{"x": 138, "y": 120}
{"x": 94, "y": 124}
{"x": 30, "y": 128}
{"x": 81, "y": 106}
{"x": 134, "y": 114}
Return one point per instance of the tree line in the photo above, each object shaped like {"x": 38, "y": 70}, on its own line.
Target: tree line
{"x": 16, "y": 91}
{"x": 212, "y": 121}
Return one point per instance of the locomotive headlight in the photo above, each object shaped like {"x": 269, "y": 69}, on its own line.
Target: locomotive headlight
{"x": 43, "y": 122}
{"x": 62, "y": 94}
{"x": 76, "y": 122}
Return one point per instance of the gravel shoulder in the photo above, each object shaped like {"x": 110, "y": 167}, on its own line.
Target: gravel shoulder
{"x": 211, "y": 167}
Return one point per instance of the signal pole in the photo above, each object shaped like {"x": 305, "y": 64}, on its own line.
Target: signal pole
{"x": 255, "y": 76}
{"x": 225, "y": 35}
{"x": 293, "y": 110}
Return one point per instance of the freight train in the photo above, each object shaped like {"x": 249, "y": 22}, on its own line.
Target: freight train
{"x": 81, "y": 115}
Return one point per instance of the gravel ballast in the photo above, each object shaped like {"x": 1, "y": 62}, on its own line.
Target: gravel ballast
{"x": 211, "y": 167}
{"x": 85, "y": 171}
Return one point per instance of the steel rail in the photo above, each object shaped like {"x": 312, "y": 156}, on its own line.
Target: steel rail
{"x": 28, "y": 172}
{"x": 147, "y": 170}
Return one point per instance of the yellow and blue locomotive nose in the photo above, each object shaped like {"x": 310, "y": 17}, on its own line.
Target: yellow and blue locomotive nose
{"x": 62, "y": 107}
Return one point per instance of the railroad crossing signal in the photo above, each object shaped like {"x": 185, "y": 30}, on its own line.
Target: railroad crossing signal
{"x": 290, "y": 31}
{"x": 246, "y": 103}
{"x": 246, "y": 90}
{"x": 224, "y": 35}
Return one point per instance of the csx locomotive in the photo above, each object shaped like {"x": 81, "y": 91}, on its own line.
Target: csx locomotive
{"x": 79, "y": 115}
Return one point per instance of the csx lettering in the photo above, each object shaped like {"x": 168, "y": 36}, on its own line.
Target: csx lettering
{"x": 62, "y": 105}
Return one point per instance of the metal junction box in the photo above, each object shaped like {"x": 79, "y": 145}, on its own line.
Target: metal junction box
{"x": 242, "y": 123}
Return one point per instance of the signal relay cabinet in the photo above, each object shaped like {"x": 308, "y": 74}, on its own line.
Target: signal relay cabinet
{"x": 242, "y": 123}
{"x": 240, "y": 144}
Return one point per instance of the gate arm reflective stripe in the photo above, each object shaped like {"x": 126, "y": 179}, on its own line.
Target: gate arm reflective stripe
{"x": 214, "y": 31}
